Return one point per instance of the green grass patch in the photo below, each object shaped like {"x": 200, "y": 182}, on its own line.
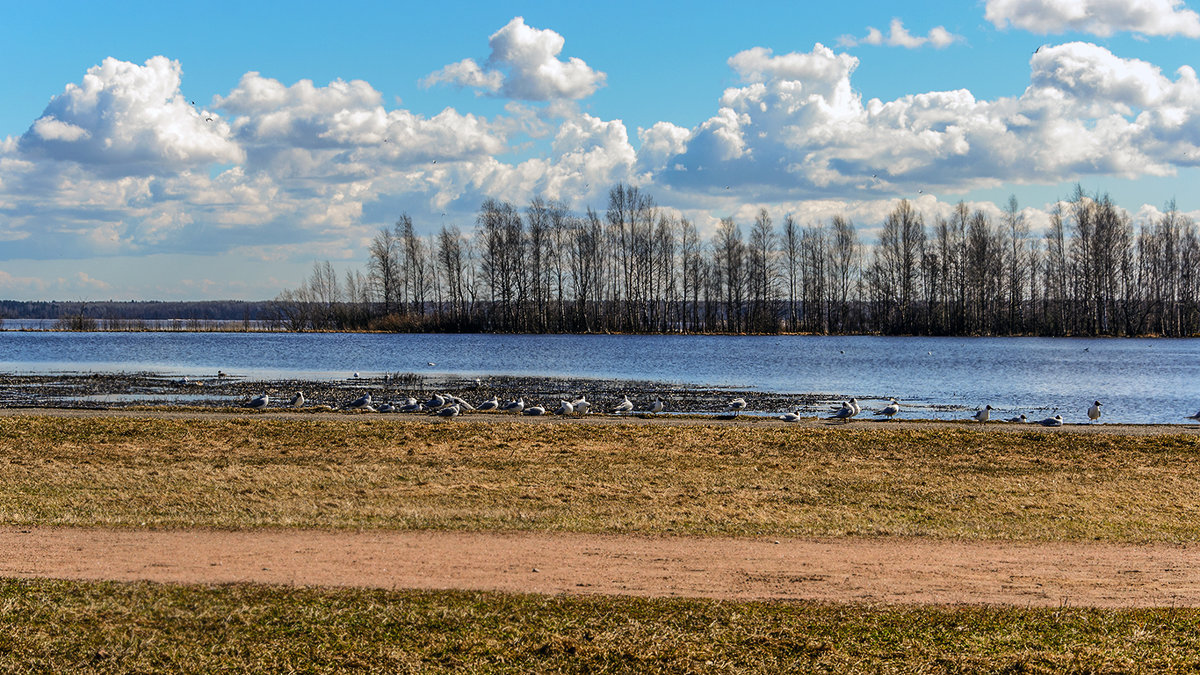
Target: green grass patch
{"x": 93, "y": 627}
{"x": 259, "y": 471}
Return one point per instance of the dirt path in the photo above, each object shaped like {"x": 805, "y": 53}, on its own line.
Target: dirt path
{"x": 841, "y": 570}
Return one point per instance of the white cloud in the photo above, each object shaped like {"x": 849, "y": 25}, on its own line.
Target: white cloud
{"x": 523, "y": 65}
{"x": 127, "y": 119}
{"x": 466, "y": 73}
{"x": 798, "y": 126}
{"x": 1098, "y": 17}
{"x": 898, "y": 36}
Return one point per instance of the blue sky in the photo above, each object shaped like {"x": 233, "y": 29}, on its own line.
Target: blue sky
{"x": 316, "y": 124}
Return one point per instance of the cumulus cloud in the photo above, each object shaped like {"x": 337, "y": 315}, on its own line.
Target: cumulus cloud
{"x": 797, "y": 125}
{"x": 128, "y": 119}
{"x": 1097, "y": 17}
{"x": 523, "y": 65}
{"x": 898, "y": 36}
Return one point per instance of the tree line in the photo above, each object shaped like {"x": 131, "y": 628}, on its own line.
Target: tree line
{"x": 639, "y": 268}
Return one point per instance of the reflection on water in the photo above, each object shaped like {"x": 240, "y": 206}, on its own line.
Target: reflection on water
{"x": 1138, "y": 380}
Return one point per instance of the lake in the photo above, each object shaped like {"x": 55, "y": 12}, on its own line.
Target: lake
{"x": 1137, "y": 380}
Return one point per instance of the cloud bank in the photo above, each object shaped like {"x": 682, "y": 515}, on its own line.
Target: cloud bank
{"x": 1097, "y": 17}
{"x": 122, "y": 164}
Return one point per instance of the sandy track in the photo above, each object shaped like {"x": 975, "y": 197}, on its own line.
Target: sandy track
{"x": 840, "y": 570}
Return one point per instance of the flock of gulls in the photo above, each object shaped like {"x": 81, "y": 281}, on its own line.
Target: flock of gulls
{"x": 449, "y": 406}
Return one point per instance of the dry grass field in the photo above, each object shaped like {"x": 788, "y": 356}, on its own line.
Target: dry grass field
{"x": 700, "y": 479}
{"x": 263, "y": 471}
{"x": 106, "y": 627}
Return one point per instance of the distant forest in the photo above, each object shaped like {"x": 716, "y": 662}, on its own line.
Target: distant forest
{"x": 637, "y": 268}
{"x": 134, "y": 315}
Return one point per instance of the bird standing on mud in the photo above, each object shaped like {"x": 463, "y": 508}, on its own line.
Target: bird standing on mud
{"x": 984, "y": 413}
{"x": 624, "y": 406}
{"x": 297, "y": 400}
{"x": 1094, "y": 411}
{"x": 849, "y": 409}
{"x": 891, "y": 409}
{"x": 737, "y": 405}
{"x": 360, "y": 403}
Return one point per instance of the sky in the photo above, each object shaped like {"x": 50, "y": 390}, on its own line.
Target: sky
{"x": 216, "y": 150}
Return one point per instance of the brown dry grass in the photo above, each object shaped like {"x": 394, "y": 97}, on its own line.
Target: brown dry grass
{"x": 246, "y": 472}
{"x": 100, "y": 627}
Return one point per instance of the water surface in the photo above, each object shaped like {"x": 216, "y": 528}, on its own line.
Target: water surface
{"x": 1138, "y": 380}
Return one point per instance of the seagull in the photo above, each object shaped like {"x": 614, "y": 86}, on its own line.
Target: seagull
{"x": 412, "y": 407}
{"x": 491, "y": 404}
{"x": 448, "y": 411}
{"x": 514, "y": 406}
{"x": 436, "y": 402}
{"x": 297, "y": 400}
{"x": 260, "y": 401}
{"x": 462, "y": 404}
{"x": 1094, "y": 411}
{"x": 535, "y": 410}
{"x": 891, "y": 409}
{"x": 387, "y": 408}
{"x": 1056, "y": 421}
{"x": 1019, "y": 420}
{"x": 657, "y": 406}
{"x": 624, "y": 406}
{"x": 581, "y": 405}
{"x": 790, "y": 417}
{"x": 737, "y": 405}
{"x": 564, "y": 408}
{"x": 984, "y": 413}
{"x": 1195, "y": 417}
{"x": 363, "y": 401}
{"x": 844, "y": 413}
